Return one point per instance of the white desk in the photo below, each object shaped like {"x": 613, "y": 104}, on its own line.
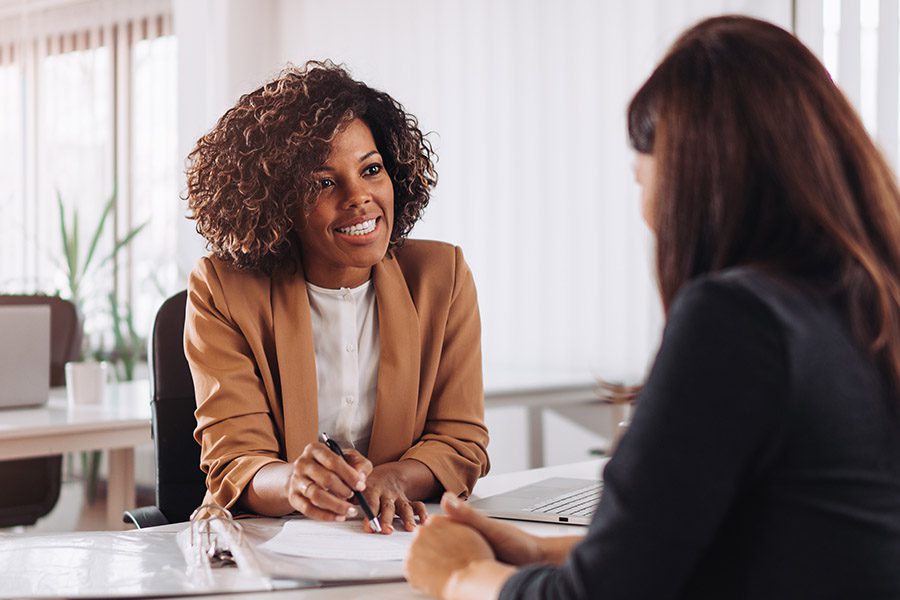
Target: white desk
{"x": 119, "y": 424}
{"x": 131, "y": 559}
{"x": 536, "y": 391}
{"x": 489, "y": 486}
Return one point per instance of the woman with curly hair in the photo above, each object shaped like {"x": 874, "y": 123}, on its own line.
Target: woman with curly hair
{"x": 313, "y": 313}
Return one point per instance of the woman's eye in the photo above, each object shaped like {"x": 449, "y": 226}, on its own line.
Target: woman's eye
{"x": 373, "y": 169}
{"x": 326, "y": 183}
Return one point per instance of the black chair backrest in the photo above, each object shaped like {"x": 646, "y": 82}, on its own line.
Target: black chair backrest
{"x": 180, "y": 484}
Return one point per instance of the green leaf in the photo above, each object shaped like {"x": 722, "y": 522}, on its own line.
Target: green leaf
{"x": 123, "y": 242}
{"x": 98, "y": 232}
{"x": 73, "y": 238}
{"x": 71, "y": 260}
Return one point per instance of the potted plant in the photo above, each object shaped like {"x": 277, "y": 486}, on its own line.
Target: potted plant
{"x": 79, "y": 267}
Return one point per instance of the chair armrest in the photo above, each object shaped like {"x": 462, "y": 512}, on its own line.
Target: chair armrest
{"x": 144, "y": 516}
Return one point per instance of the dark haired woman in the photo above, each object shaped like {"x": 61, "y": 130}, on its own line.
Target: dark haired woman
{"x": 312, "y": 314}
{"x": 763, "y": 460}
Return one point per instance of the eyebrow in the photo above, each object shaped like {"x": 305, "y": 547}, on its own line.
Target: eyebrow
{"x": 362, "y": 158}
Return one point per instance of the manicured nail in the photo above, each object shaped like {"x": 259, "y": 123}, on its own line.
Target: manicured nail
{"x": 360, "y": 485}
{"x": 351, "y": 512}
{"x": 341, "y": 518}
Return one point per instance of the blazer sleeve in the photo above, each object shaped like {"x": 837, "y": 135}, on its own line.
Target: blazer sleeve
{"x": 454, "y": 441}
{"x": 235, "y": 428}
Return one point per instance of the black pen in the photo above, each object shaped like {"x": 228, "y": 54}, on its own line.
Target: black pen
{"x": 373, "y": 520}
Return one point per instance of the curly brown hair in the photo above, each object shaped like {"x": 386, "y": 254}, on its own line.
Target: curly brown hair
{"x": 249, "y": 177}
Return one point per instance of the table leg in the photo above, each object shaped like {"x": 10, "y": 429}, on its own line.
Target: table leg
{"x": 535, "y": 437}
{"x": 120, "y": 493}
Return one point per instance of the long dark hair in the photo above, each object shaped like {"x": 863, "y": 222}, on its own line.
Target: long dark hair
{"x": 760, "y": 159}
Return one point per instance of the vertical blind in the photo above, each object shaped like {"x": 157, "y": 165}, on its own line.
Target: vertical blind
{"x": 857, "y": 40}
{"x": 527, "y": 102}
{"x": 88, "y": 102}
{"x": 526, "y": 99}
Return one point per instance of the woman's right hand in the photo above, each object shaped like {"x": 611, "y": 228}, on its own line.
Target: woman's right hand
{"x": 510, "y": 544}
{"x": 322, "y": 483}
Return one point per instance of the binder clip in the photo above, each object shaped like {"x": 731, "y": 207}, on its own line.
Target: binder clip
{"x": 211, "y": 542}
{"x": 215, "y": 541}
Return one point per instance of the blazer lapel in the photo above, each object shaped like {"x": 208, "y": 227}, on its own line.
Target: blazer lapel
{"x": 296, "y": 360}
{"x": 398, "y": 372}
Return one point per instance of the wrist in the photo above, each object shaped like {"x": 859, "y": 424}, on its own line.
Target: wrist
{"x": 478, "y": 579}
{"x": 555, "y": 550}
{"x": 540, "y": 551}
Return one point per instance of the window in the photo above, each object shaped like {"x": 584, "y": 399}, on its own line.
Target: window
{"x": 12, "y": 225}
{"x": 857, "y": 41}
{"x": 88, "y": 114}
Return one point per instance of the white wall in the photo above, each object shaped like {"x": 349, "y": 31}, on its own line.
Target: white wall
{"x": 225, "y": 49}
{"x": 527, "y": 101}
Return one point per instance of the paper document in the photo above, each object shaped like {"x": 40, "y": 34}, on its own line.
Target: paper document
{"x": 316, "y": 539}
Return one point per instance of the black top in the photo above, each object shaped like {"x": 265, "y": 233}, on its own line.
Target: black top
{"x": 763, "y": 461}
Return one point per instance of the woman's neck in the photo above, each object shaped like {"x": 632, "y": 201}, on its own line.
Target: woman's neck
{"x": 335, "y": 278}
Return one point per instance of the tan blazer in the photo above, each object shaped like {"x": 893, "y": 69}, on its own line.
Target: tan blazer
{"x": 248, "y": 339}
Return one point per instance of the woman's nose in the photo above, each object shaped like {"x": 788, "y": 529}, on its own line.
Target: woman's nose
{"x": 357, "y": 195}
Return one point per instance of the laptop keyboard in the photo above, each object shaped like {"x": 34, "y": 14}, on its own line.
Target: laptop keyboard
{"x": 580, "y": 503}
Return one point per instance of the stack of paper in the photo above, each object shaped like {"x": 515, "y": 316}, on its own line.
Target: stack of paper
{"x": 338, "y": 540}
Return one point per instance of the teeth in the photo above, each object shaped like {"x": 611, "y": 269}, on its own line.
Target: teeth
{"x": 359, "y": 229}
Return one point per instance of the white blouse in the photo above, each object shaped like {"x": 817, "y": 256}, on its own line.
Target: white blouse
{"x": 346, "y": 342}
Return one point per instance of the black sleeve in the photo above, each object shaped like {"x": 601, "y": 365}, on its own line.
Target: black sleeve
{"x": 711, "y": 406}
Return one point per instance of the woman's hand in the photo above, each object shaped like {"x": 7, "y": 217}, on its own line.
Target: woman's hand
{"x": 321, "y": 483}
{"x": 440, "y": 550}
{"x": 509, "y": 543}
{"x": 387, "y": 492}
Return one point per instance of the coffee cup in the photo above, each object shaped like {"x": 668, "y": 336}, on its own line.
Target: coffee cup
{"x": 86, "y": 382}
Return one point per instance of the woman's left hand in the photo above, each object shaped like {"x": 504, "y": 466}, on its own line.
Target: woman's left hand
{"x": 441, "y": 549}
{"x": 387, "y": 495}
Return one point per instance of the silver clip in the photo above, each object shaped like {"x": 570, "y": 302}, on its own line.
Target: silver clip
{"x": 213, "y": 531}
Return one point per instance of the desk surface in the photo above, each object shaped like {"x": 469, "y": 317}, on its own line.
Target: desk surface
{"x": 503, "y": 382}
{"x": 490, "y": 485}
{"x": 123, "y": 419}
{"x": 131, "y": 558}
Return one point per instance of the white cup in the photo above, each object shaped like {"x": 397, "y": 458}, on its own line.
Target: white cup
{"x": 86, "y": 382}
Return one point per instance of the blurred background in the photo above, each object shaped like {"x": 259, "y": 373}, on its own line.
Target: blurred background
{"x": 101, "y": 100}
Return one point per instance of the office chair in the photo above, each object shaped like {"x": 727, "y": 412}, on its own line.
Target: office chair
{"x": 180, "y": 484}
{"x": 33, "y": 484}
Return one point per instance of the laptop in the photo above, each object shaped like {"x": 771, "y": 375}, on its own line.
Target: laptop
{"x": 24, "y": 355}
{"x": 554, "y": 500}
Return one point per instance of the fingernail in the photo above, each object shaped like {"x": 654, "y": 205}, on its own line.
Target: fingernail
{"x": 341, "y": 518}
{"x": 351, "y": 512}
{"x": 360, "y": 485}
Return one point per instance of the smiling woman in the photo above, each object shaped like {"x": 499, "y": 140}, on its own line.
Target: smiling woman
{"x": 348, "y": 229}
{"x": 313, "y": 313}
